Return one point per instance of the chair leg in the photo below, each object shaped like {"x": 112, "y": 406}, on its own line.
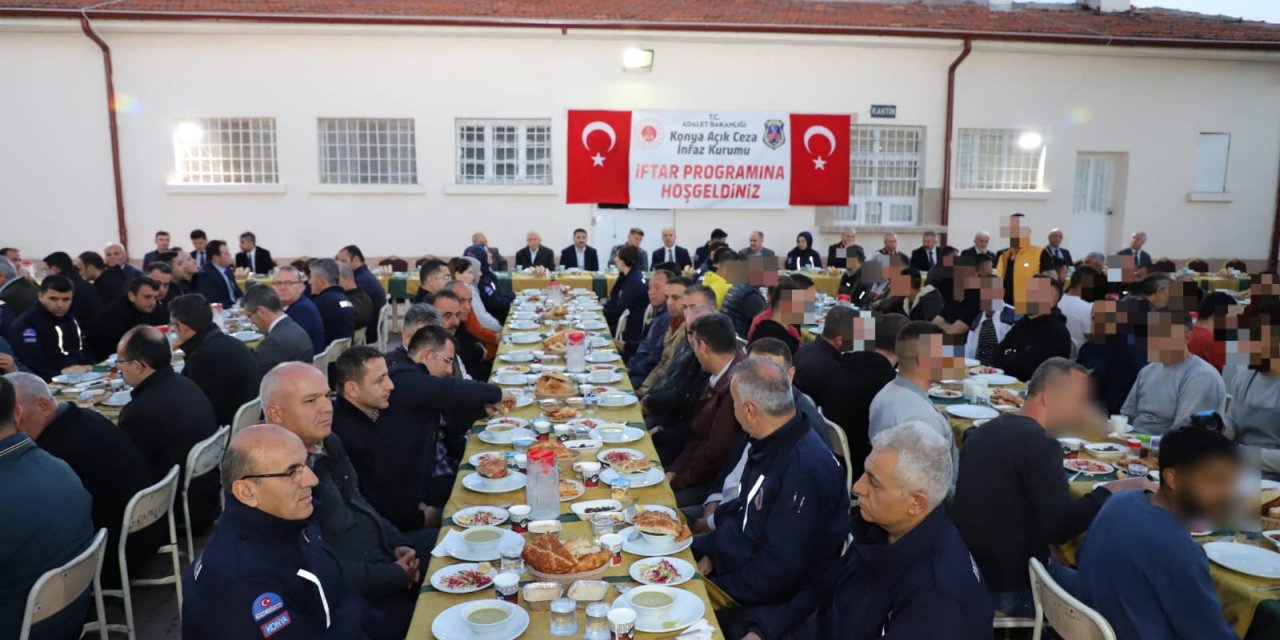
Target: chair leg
{"x": 186, "y": 520}
{"x": 177, "y": 566}
{"x": 127, "y": 599}
{"x": 100, "y": 607}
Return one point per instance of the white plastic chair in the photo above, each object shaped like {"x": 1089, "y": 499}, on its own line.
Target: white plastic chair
{"x": 323, "y": 359}
{"x": 1069, "y": 617}
{"x": 58, "y": 588}
{"x": 145, "y": 508}
{"x": 247, "y": 415}
{"x": 384, "y": 326}
{"x": 622, "y": 323}
{"x": 839, "y": 443}
{"x": 203, "y": 458}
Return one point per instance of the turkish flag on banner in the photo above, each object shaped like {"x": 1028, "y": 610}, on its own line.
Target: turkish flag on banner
{"x": 599, "y": 150}
{"x": 820, "y": 159}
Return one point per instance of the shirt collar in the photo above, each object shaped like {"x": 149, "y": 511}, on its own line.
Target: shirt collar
{"x": 911, "y": 386}
{"x": 716, "y": 378}
{"x": 276, "y": 322}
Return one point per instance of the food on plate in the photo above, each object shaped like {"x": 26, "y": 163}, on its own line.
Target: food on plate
{"x": 477, "y": 519}
{"x": 662, "y": 573}
{"x": 1106, "y": 447}
{"x": 1004, "y": 396}
{"x": 556, "y": 446}
{"x": 1088, "y": 466}
{"x": 547, "y": 554}
{"x": 939, "y": 392}
{"x": 561, "y": 413}
{"x": 614, "y": 457}
{"x": 1270, "y": 501}
{"x": 466, "y": 579}
{"x": 588, "y": 590}
{"x": 601, "y": 509}
{"x": 554, "y": 343}
{"x": 660, "y": 523}
{"x": 492, "y": 467}
{"x": 977, "y": 371}
{"x": 633, "y": 466}
{"x": 541, "y": 591}
{"x": 78, "y": 368}
{"x": 555, "y": 312}
{"x": 569, "y": 489}
{"x": 555, "y": 384}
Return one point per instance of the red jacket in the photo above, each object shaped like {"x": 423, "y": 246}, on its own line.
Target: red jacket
{"x": 714, "y": 429}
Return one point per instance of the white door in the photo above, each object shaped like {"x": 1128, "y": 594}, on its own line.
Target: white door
{"x": 1094, "y": 203}
{"x": 613, "y": 225}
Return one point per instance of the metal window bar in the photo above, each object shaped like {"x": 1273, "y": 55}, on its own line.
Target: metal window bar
{"x": 368, "y": 151}
{"x": 991, "y": 159}
{"x": 226, "y": 151}
{"x": 504, "y": 152}
{"x": 885, "y": 162}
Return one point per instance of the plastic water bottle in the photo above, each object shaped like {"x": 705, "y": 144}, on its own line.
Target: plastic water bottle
{"x": 553, "y": 292}
{"x": 216, "y": 308}
{"x": 575, "y": 352}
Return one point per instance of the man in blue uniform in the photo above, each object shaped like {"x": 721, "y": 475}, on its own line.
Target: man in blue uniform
{"x": 47, "y": 337}
{"x": 336, "y": 311}
{"x": 291, "y": 285}
{"x": 266, "y": 573}
{"x": 368, "y": 283}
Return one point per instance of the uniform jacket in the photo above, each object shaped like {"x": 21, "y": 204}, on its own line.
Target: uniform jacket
{"x": 545, "y": 258}
{"x": 46, "y": 344}
{"x": 285, "y": 342}
{"x": 224, "y": 369}
{"x": 115, "y": 319}
{"x": 304, "y": 313}
{"x": 590, "y": 259}
{"x": 114, "y": 281}
{"x": 212, "y": 284}
{"x": 263, "y": 264}
{"x": 20, "y": 295}
{"x": 682, "y": 260}
{"x": 265, "y": 577}
{"x": 714, "y": 427}
{"x": 371, "y": 285}
{"x": 337, "y": 314}
{"x": 630, "y": 292}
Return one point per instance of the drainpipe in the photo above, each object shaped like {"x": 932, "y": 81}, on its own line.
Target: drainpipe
{"x": 122, "y": 229}
{"x": 1275, "y": 231}
{"x": 946, "y": 148}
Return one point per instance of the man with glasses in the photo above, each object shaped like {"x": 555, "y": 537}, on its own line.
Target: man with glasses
{"x": 266, "y": 570}
{"x": 284, "y": 340}
{"x": 290, "y": 284}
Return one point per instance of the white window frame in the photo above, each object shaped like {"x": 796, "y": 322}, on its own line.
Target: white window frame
{"x": 1213, "y": 162}
{"x": 524, "y": 173}
{"x": 225, "y": 152}
{"x": 993, "y": 160}
{"x": 871, "y": 174}
{"x": 367, "y": 151}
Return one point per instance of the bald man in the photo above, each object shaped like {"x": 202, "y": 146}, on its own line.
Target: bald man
{"x": 534, "y": 254}
{"x": 113, "y": 280}
{"x": 671, "y": 252}
{"x": 379, "y": 560}
{"x": 266, "y": 571}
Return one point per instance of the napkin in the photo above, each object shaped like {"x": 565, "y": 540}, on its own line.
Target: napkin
{"x": 700, "y": 630}
{"x": 446, "y": 543}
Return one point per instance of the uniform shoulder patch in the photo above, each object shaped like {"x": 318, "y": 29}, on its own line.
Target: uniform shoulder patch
{"x": 266, "y": 604}
{"x": 345, "y": 304}
{"x": 275, "y": 625}
{"x": 29, "y": 335}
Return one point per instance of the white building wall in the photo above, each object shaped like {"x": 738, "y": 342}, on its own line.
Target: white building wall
{"x": 55, "y": 166}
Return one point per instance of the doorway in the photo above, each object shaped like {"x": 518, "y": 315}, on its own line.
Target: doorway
{"x": 1096, "y": 214}
{"x": 612, "y": 224}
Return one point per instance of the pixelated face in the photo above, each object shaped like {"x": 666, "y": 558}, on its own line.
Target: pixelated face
{"x": 900, "y": 283}
{"x": 848, "y": 237}
{"x": 990, "y": 293}
{"x": 872, "y": 272}
{"x": 1206, "y": 490}
{"x": 1041, "y": 296}
{"x": 762, "y": 271}
{"x": 1122, "y": 269}
{"x": 1015, "y": 229}
{"x": 1166, "y": 341}
{"x": 734, "y": 271}
{"x": 891, "y": 243}
{"x": 1105, "y": 319}
{"x": 797, "y": 306}
{"x": 1068, "y": 401}
{"x": 580, "y": 239}
{"x": 942, "y": 362}
{"x": 1265, "y": 284}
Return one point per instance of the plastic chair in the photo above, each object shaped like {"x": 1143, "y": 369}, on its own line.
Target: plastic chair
{"x": 58, "y": 588}
{"x": 397, "y": 264}
{"x": 146, "y": 508}
{"x": 203, "y": 458}
{"x": 246, "y": 416}
{"x": 384, "y": 326}
{"x": 1199, "y": 265}
{"x": 622, "y": 323}
{"x": 1069, "y": 617}
{"x": 839, "y": 443}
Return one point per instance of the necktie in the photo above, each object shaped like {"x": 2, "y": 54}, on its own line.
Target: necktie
{"x": 253, "y": 261}
{"x": 931, "y": 263}
{"x": 671, "y": 254}
{"x": 987, "y": 342}
{"x": 231, "y": 287}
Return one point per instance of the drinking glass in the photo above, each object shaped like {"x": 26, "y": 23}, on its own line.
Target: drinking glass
{"x": 512, "y": 560}
{"x": 597, "y": 625}
{"x": 564, "y": 617}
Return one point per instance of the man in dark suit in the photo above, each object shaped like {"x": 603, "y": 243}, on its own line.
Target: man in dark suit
{"x": 890, "y": 249}
{"x": 336, "y": 311}
{"x": 838, "y": 253}
{"x": 285, "y": 340}
{"x": 497, "y": 262}
{"x": 580, "y": 255}
{"x": 981, "y": 246}
{"x": 817, "y": 361}
{"x": 219, "y": 364}
{"x": 1136, "y": 242}
{"x": 1055, "y": 248}
{"x": 702, "y": 255}
{"x": 252, "y": 257}
{"x": 136, "y": 307}
{"x": 671, "y": 252}
{"x": 114, "y": 278}
{"x": 200, "y": 242}
{"x": 534, "y": 254}
{"x": 291, "y": 285}
{"x": 927, "y": 254}
{"x": 217, "y": 282}
{"x": 368, "y": 283}
{"x": 16, "y": 291}
{"x": 162, "y": 246}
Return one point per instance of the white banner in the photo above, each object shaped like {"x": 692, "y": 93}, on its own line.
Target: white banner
{"x": 684, "y": 159}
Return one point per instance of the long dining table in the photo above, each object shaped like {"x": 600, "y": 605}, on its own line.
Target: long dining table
{"x": 432, "y": 603}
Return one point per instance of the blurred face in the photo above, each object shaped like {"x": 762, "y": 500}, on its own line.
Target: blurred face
{"x": 674, "y": 294}
{"x": 635, "y": 239}
{"x": 1206, "y": 490}
{"x": 1067, "y": 400}
{"x": 464, "y": 297}
{"x": 1041, "y": 296}
{"x": 669, "y": 237}
{"x": 980, "y": 242}
{"x": 246, "y": 244}
{"x": 756, "y": 241}
{"x": 199, "y": 243}
{"x": 302, "y": 406}
{"x": 478, "y": 238}
{"x": 990, "y": 290}
{"x": 1055, "y": 238}
{"x": 467, "y": 277}
{"x": 882, "y": 499}
{"x": 657, "y": 290}
{"x": 1136, "y": 241}
{"x": 162, "y": 242}
{"x": 1016, "y": 230}
{"x": 533, "y": 240}
{"x": 223, "y": 259}
{"x": 438, "y": 363}
{"x": 450, "y": 314}
{"x": 285, "y": 497}
{"x": 891, "y": 243}
{"x": 928, "y": 242}
{"x": 164, "y": 279}
{"x": 114, "y": 255}
{"x": 801, "y": 243}
{"x": 436, "y": 280}
{"x": 132, "y": 371}
{"x": 580, "y": 239}
{"x": 1167, "y": 342}
{"x": 183, "y": 266}
{"x": 848, "y": 237}
{"x": 57, "y": 303}
{"x": 145, "y": 299}
{"x": 373, "y": 390}
{"x": 797, "y": 306}
{"x": 622, "y": 266}
{"x": 288, "y": 285}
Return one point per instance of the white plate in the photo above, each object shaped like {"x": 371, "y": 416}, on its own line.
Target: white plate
{"x": 686, "y": 570}
{"x": 593, "y": 325}
{"x": 1105, "y": 449}
{"x": 582, "y": 445}
{"x": 597, "y": 342}
{"x": 510, "y": 379}
{"x": 610, "y": 401}
{"x": 247, "y": 336}
{"x": 997, "y": 379}
{"x": 653, "y": 507}
{"x": 523, "y": 325}
{"x": 1245, "y": 558}
{"x": 450, "y": 626}
{"x": 524, "y": 315}
{"x": 522, "y": 399}
{"x": 590, "y": 423}
{"x": 437, "y": 578}
{"x": 944, "y": 394}
{"x": 459, "y": 550}
{"x": 1270, "y": 484}
{"x": 635, "y": 455}
{"x": 642, "y": 547}
{"x": 118, "y": 399}
{"x": 629, "y": 434}
{"x": 516, "y": 356}
{"x": 638, "y": 480}
{"x": 78, "y": 378}
{"x": 977, "y": 370}
{"x": 580, "y": 508}
{"x": 615, "y": 376}
{"x": 481, "y": 484}
{"x": 1066, "y": 464}
{"x": 603, "y": 356}
{"x": 514, "y": 421}
{"x": 526, "y": 338}
{"x": 581, "y": 490}
{"x": 499, "y": 516}
{"x": 687, "y": 610}
{"x": 507, "y": 438}
{"x": 971, "y": 411}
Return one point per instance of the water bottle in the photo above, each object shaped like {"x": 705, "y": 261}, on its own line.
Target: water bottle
{"x": 216, "y": 308}
{"x": 542, "y": 492}
{"x": 575, "y": 352}
{"x": 553, "y": 292}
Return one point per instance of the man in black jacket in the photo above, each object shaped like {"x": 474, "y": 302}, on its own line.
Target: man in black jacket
{"x": 816, "y": 361}
{"x": 109, "y": 466}
{"x": 1012, "y": 500}
{"x": 1037, "y": 336}
{"x": 252, "y": 257}
{"x": 86, "y": 303}
{"x": 167, "y": 415}
{"x": 580, "y": 255}
{"x": 15, "y": 290}
{"x": 220, "y": 365}
{"x": 384, "y": 564}
{"x": 115, "y": 277}
{"x": 743, "y": 301}
{"x": 852, "y": 387}
{"x": 533, "y": 254}
{"x": 47, "y": 337}
{"x": 136, "y": 307}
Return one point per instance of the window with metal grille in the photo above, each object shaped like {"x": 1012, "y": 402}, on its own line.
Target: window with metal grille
{"x": 368, "y": 151}
{"x": 884, "y": 177}
{"x": 504, "y": 152}
{"x": 226, "y": 151}
{"x": 999, "y": 160}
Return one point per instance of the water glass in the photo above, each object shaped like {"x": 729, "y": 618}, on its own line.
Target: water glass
{"x": 597, "y": 625}
{"x": 564, "y": 617}
{"x": 622, "y": 623}
{"x": 601, "y": 525}
{"x": 506, "y": 587}
{"x": 512, "y": 560}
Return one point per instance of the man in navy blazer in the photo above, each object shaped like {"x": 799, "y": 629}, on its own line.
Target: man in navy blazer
{"x": 217, "y": 282}
{"x": 671, "y": 252}
{"x": 580, "y": 255}
{"x": 253, "y": 257}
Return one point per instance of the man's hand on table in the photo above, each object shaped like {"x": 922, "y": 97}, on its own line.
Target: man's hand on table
{"x": 704, "y": 566}
{"x": 7, "y": 363}
{"x": 506, "y": 404}
{"x": 407, "y": 558}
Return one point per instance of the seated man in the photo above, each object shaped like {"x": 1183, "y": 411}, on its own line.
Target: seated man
{"x": 671, "y": 402}
{"x": 1012, "y": 500}
{"x": 217, "y": 280}
{"x": 476, "y": 343}
{"x": 742, "y": 301}
{"x": 366, "y": 315}
{"x": 793, "y": 518}
{"x": 47, "y": 337}
{"x": 380, "y": 561}
{"x": 1039, "y": 335}
{"x": 644, "y": 355}
{"x": 1126, "y": 566}
{"x": 290, "y": 284}
{"x": 920, "y": 364}
{"x": 920, "y": 301}
{"x": 714, "y": 424}
{"x": 219, "y": 364}
{"x": 136, "y": 307}
{"x": 1175, "y": 384}
{"x": 992, "y": 323}
{"x": 817, "y": 361}
{"x": 416, "y": 317}
{"x": 108, "y": 464}
{"x": 433, "y": 275}
{"x": 167, "y": 415}
{"x": 337, "y": 314}
{"x": 679, "y": 291}
{"x": 580, "y": 255}
{"x": 266, "y": 571}
{"x": 352, "y": 256}
{"x": 284, "y": 340}
{"x": 35, "y": 544}
{"x": 908, "y": 574}
{"x": 116, "y": 273}
{"x": 252, "y": 257}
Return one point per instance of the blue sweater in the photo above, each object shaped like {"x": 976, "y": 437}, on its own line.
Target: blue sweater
{"x": 305, "y": 313}
{"x": 1141, "y": 570}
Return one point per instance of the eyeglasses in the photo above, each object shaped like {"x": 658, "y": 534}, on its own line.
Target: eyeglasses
{"x": 279, "y": 283}
{"x": 448, "y": 361}
{"x": 292, "y": 473}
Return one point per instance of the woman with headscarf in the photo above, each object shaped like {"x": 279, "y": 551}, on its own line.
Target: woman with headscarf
{"x": 492, "y": 298}
{"x": 803, "y": 255}
{"x": 629, "y": 293}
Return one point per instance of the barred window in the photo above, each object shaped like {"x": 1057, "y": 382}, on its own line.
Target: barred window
{"x": 504, "y": 152}
{"x": 999, "y": 160}
{"x": 884, "y": 178}
{"x": 226, "y": 151}
{"x": 368, "y": 151}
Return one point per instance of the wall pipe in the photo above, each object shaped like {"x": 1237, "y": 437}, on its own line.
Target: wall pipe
{"x": 87, "y": 27}
{"x": 946, "y": 149}
{"x": 1275, "y": 230}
